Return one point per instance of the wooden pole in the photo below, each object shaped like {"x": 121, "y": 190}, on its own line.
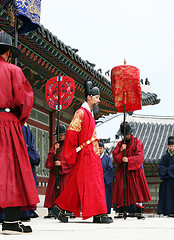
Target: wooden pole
{"x": 124, "y": 154}
{"x": 16, "y": 37}
{"x": 57, "y": 139}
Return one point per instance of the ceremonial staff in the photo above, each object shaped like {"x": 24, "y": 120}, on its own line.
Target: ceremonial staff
{"x": 16, "y": 37}
{"x": 57, "y": 138}
{"x": 59, "y": 92}
{"x": 127, "y": 95}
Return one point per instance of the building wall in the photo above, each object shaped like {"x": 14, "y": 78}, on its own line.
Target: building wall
{"x": 153, "y": 180}
{"x": 39, "y": 123}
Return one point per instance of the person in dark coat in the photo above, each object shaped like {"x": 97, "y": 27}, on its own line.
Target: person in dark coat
{"x": 166, "y": 188}
{"x": 32, "y": 152}
{"x": 108, "y": 175}
{"x": 34, "y": 161}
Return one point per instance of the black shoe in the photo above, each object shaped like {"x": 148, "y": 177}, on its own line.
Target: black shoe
{"x": 103, "y": 218}
{"x": 59, "y": 213}
{"x": 132, "y": 214}
{"x": 70, "y": 214}
{"x": 49, "y": 215}
{"x": 171, "y": 215}
{"x": 139, "y": 213}
{"x": 120, "y": 215}
{"x": 15, "y": 227}
{"x": 140, "y": 216}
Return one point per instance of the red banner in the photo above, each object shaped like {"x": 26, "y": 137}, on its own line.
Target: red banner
{"x": 126, "y": 89}
{"x": 67, "y": 88}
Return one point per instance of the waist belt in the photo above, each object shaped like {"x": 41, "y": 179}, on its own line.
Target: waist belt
{"x": 78, "y": 149}
{"x": 5, "y": 110}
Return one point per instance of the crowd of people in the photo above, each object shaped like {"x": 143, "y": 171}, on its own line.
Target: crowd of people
{"x": 80, "y": 171}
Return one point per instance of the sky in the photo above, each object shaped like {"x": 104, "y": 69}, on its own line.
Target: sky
{"x": 107, "y": 31}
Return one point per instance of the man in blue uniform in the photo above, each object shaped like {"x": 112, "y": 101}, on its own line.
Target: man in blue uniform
{"x": 166, "y": 189}
{"x": 34, "y": 161}
{"x": 108, "y": 175}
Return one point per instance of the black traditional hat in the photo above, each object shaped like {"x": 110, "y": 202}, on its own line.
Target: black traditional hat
{"x": 128, "y": 129}
{"x": 6, "y": 41}
{"x": 90, "y": 90}
{"x": 62, "y": 130}
{"x": 101, "y": 144}
{"x": 171, "y": 140}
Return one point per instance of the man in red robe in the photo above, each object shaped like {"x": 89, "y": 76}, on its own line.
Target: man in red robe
{"x": 137, "y": 190}
{"x": 17, "y": 185}
{"x": 64, "y": 170}
{"x": 85, "y": 189}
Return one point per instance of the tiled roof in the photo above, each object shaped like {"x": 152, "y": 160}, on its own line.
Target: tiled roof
{"x": 149, "y": 98}
{"x": 154, "y": 138}
{"x": 72, "y": 54}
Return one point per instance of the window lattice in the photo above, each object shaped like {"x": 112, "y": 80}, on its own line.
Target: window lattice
{"x": 39, "y": 116}
{"x": 41, "y": 142}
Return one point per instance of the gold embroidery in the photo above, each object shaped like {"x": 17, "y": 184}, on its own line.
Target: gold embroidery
{"x": 76, "y": 123}
{"x": 95, "y": 143}
{"x": 125, "y": 79}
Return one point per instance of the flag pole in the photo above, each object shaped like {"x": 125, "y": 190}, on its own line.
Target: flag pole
{"x": 58, "y": 123}
{"x": 16, "y": 36}
{"x": 124, "y": 154}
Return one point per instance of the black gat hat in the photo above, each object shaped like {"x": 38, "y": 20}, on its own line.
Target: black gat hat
{"x": 90, "y": 89}
{"x": 6, "y": 41}
{"x": 62, "y": 130}
{"x": 128, "y": 129}
{"x": 171, "y": 140}
{"x": 101, "y": 144}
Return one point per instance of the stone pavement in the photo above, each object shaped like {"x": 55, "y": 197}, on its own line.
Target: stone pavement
{"x": 152, "y": 228}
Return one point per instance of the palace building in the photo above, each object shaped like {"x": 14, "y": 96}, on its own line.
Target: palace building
{"x": 43, "y": 57}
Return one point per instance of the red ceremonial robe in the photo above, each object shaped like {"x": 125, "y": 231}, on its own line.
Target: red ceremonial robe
{"x": 64, "y": 171}
{"x": 137, "y": 190}
{"x": 85, "y": 188}
{"x": 17, "y": 185}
